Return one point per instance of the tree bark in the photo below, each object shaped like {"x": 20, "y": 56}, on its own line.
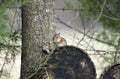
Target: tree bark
{"x": 37, "y": 30}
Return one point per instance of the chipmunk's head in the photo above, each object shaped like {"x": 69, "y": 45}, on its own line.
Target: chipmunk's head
{"x": 56, "y": 38}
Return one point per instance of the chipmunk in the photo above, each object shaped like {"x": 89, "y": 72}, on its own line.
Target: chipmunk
{"x": 58, "y": 40}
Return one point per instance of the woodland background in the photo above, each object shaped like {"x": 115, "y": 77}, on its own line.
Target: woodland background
{"x": 92, "y": 25}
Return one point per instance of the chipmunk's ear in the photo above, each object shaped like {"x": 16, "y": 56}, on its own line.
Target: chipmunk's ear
{"x": 58, "y": 33}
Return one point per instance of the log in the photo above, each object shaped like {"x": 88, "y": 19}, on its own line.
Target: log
{"x": 111, "y": 72}
{"x": 70, "y": 62}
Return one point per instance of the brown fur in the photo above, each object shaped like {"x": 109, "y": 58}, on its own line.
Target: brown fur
{"x": 58, "y": 40}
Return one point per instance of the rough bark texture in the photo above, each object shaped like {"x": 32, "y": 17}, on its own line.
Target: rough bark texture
{"x": 37, "y": 30}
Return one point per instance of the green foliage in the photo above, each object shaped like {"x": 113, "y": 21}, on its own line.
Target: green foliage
{"x": 68, "y": 5}
{"x": 3, "y": 25}
{"x": 106, "y": 12}
{"x": 4, "y": 4}
{"x": 110, "y": 17}
{"x": 112, "y": 25}
{"x": 89, "y": 7}
{"x": 4, "y": 16}
{"x": 4, "y": 74}
{"x": 109, "y": 38}
{"x": 9, "y": 39}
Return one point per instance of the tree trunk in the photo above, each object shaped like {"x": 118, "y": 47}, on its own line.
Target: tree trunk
{"x": 37, "y": 30}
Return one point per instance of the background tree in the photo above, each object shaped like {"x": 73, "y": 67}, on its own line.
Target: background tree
{"x": 37, "y": 31}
